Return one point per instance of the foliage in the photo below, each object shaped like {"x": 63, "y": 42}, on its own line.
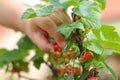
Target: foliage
{"x": 84, "y": 34}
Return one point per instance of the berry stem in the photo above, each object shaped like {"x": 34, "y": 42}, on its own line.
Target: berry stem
{"x": 79, "y": 39}
{"x": 53, "y": 69}
{"x": 21, "y": 76}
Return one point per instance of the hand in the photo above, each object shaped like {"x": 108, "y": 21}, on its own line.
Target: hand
{"x": 40, "y": 28}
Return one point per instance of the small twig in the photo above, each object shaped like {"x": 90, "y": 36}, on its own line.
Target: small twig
{"x": 53, "y": 69}
{"x": 25, "y": 77}
{"x": 79, "y": 39}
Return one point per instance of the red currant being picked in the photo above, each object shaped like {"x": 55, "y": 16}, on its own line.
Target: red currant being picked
{"x": 89, "y": 55}
{"x": 92, "y": 78}
{"x": 57, "y": 47}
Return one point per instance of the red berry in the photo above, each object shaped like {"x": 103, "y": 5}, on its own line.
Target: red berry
{"x": 89, "y": 55}
{"x": 72, "y": 53}
{"x": 68, "y": 69}
{"x": 57, "y": 54}
{"x": 77, "y": 71}
{"x": 82, "y": 59}
{"x": 57, "y": 47}
{"x": 92, "y": 78}
{"x": 58, "y": 70}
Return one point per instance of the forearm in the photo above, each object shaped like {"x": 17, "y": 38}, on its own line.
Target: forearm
{"x": 10, "y": 13}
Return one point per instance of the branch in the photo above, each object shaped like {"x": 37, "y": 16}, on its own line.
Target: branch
{"x": 53, "y": 69}
{"x": 79, "y": 38}
{"x": 25, "y": 77}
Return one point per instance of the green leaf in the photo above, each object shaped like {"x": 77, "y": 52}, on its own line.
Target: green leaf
{"x": 25, "y": 43}
{"x": 38, "y": 52}
{"x": 93, "y": 20}
{"x": 45, "y": 0}
{"x": 76, "y": 11}
{"x": 2, "y": 51}
{"x": 62, "y": 79}
{"x": 97, "y": 33}
{"x": 110, "y": 33}
{"x": 70, "y": 77}
{"x": 57, "y": 4}
{"x": 37, "y": 61}
{"x": 70, "y": 2}
{"x": 91, "y": 36}
{"x": 108, "y": 52}
{"x": 86, "y": 7}
{"x": 29, "y": 13}
{"x": 102, "y": 3}
{"x": 114, "y": 75}
{"x": 95, "y": 47}
{"x": 23, "y": 54}
{"x": 77, "y": 25}
{"x": 111, "y": 45}
{"x": 39, "y": 6}
{"x": 10, "y": 56}
{"x": 66, "y": 29}
{"x": 84, "y": 75}
{"x": 64, "y": 1}
{"x": 2, "y": 64}
{"x": 45, "y": 11}
{"x": 108, "y": 37}
{"x": 21, "y": 64}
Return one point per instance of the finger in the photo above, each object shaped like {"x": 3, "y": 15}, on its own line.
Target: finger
{"x": 49, "y": 26}
{"x": 63, "y": 15}
{"x": 60, "y": 17}
{"x": 41, "y": 40}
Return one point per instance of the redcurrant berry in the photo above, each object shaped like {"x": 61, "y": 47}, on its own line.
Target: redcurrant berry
{"x": 57, "y": 47}
{"x": 92, "y": 78}
{"x": 82, "y": 59}
{"x": 58, "y": 70}
{"x": 89, "y": 55}
{"x": 57, "y": 54}
{"x": 68, "y": 69}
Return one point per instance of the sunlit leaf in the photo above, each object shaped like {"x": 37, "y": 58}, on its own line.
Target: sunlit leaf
{"x": 29, "y": 13}
{"x": 45, "y": 11}
{"x": 70, "y": 2}
{"x": 86, "y": 7}
{"x": 102, "y": 3}
{"x": 25, "y": 43}
{"x": 93, "y": 20}
{"x": 95, "y": 47}
{"x": 57, "y": 4}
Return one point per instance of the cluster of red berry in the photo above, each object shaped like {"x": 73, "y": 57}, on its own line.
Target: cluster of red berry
{"x": 58, "y": 49}
{"x": 75, "y": 71}
{"x": 67, "y": 56}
